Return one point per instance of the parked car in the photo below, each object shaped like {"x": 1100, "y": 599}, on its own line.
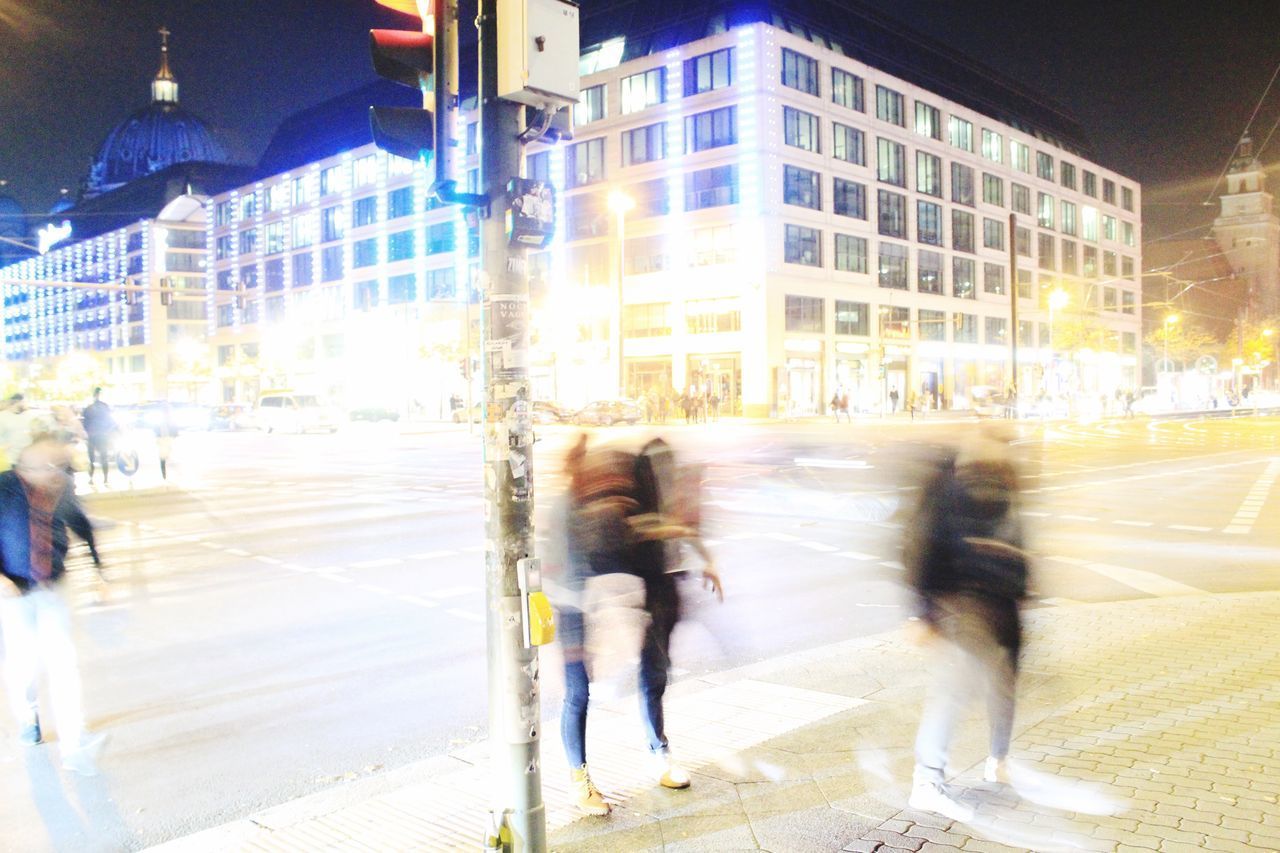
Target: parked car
{"x": 608, "y": 412}
{"x": 374, "y": 414}
{"x": 545, "y": 412}
{"x": 286, "y": 411}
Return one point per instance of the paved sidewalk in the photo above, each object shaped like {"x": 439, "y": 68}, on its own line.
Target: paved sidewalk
{"x": 1143, "y": 725}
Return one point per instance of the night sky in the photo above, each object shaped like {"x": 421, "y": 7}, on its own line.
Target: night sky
{"x": 1164, "y": 89}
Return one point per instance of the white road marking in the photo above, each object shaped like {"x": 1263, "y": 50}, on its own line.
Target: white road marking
{"x": 453, "y": 591}
{"x": 818, "y": 546}
{"x": 236, "y": 552}
{"x": 377, "y": 564}
{"x": 814, "y": 462}
{"x": 1133, "y": 523}
{"x": 1148, "y": 582}
{"x": 856, "y": 555}
{"x": 1078, "y": 517}
{"x": 1194, "y": 528}
{"x": 1029, "y": 514}
{"x": 1059, "y": 602}
{"x": 1247, "y": 514}
{"x": 270, "y": 561}
{"x": 465, "y": 614}
{"x": 892, "y": 564}
{"x": 380, "y": 590}
{"x": 431, "y": 555}
{"x": 413, "y": 599}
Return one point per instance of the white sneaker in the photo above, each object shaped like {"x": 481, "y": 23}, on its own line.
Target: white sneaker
{"x": 669, "y": 773}
{"x": 996, "y": 770}
{"x": 84, "y": 758}
{"x": 934, "y": 797}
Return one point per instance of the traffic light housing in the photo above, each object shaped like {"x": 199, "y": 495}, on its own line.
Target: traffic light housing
{"x": 407, "y": 58}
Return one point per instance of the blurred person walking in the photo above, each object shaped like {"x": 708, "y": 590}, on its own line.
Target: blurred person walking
{"x": 99, "y": 424}
{"x": 966, "y": 567}
{"x": 37, "y": 507}
{"x": 16, "y": 430}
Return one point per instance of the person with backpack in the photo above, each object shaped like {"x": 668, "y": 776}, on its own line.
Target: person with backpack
{"x": 966, "y": 568}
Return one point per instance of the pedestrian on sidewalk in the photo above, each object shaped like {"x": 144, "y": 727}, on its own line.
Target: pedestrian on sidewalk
{"x": 37, "y": 506}
{"x": 965, "y": 564}
{"x": 893, "y": 401}
{"x": 98, "y": 427}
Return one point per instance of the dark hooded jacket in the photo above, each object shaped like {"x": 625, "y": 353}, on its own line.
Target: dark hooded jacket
{"x": 15, "y": 531}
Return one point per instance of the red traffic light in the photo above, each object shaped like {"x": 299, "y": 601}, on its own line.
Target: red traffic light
{"x": 401, "y": 55}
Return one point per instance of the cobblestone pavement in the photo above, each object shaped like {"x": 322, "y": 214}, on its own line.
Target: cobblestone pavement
{"x": 1143, "y": 725}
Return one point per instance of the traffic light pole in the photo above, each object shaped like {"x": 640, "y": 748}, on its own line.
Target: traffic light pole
{"x": 514, "y": 714}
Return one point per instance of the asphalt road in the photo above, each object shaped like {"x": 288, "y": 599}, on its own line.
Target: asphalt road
{"x": 296, "y": 611}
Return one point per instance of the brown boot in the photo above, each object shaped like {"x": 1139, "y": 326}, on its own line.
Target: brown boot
{"x": 584, "y": 793}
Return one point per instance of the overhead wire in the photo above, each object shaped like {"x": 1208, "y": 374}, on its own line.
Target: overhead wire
{"x": 1257, "y": 107}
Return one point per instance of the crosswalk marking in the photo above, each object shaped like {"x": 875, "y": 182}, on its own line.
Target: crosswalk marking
{"x": 378, "y": 563}
{"x": 1247, "y": 514}
{"x": 1148, "y": 582}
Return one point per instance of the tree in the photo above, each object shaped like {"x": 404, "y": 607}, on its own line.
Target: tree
{"x": 1186, "y": 341}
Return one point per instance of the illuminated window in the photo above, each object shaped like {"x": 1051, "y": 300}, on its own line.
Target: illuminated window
{"x": 1068, "y": 210}
{"x": 364, "y": 211}
{"x": 802, "y": 245}
{"x": 646, "y": 321}
{"x": 992, "y": 189}
{"x": 849, "y": 198}
{"x": 273, "y": 274}
{"x": 992, "y": 146}
{"x": 1089, "y": 266}
{"x": 644, "y": 144}
{"x": 891, "y": 162}
{"x": 804, "y": 314}
{"x": 801, "y": 187}
{"x": 992, "y": 234}
{"x": 963, "y": 275}
{"x": 538, "y": 166}
{"x": 331, "y": 180}
{"x": 711, "y": 246}
{"x": 993, "y": 279}
{"x": 1108, "y": 227}
{"x": 960, "y": 133}
{"x": 848, "y": 145}
{"x": 853, "y": 318}
{"x": 1020, "y": 197}
{"x": 1021, "y": 156}
{"x": 846, "y": 90}
{"x": 895, "y": 321}
{"x": 928, "y": 174}
{"x": 441, "y": 237}
{"x": 584, "y": 163}
{"x": 299, "y": 191}
{"x": 932, "y": 324}
{"x": 1070, "y": 261}
{"x": 997, "y": 330}
{"x": 708, "y": 71}
{"x": 962, "y": 184}
{"x": 400, "y": 203}
{"x": 889, "y": 106}
{"x": 965, "y": 328}
{"x": 1045, "y": 205}
{"x": 962, "y": 228}
{"x": 891, "y": 210}
{"x": 711, "y": 187}
{"x": 652, "y": 198}
{"x": 273, "y": 234}
{"x": 800, "y": 129}
{"x": 586, "y": 216}
{"x": 399, "y": 246}
{"x": 928, "y": 121}
{"x": 1045, "y": 248}
{"x": 929, "y": 223}
{"x": 894, "y": 266}
{"x": 799, "y": 72}
{"x": 851, "y": 254}
{"x": 331, "y": 265}
{"x": 1022, "y": 241}
{"x": 590, "y": 105}
{"x": 365, "y": 170}
{"x": 929, "y": 271}
{"x": 442, "y": 284}
{"x": 364, "y": 253}
{"x": 365, "y": 295}
{"x": 332, "y": 224}
{"x": 402, "y": 288}
{"x": 643, "y": 90}
{"x": 303, "y": 269}
{"x": 1044, "y": 166}
{"x": 711, "y": 129}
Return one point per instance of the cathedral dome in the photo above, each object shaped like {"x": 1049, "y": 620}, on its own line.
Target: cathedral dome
{"x": 156, "y": 136}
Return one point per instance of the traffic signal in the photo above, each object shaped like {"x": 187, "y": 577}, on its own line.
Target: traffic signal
{"x": 407, "y": 58}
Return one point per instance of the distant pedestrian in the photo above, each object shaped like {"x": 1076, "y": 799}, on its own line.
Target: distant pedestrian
{"x": 99, "y": 425}
{"x": 965, "y": 564}
{"x": 893, "y": 401}
{"x": 37, "y": 507}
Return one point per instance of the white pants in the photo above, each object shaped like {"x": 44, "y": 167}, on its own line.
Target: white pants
{"x": 37, "y": 636}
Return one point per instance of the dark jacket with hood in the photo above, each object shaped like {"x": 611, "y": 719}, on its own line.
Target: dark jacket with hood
{"x": 15, "y": 531}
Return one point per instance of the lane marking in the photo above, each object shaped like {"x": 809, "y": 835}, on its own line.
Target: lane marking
{"x": 380, "y": 590}
{"x": 452, "y": 592}
{"x": 1243, "y": 521}
{"x": 1194, "y": 528}
{"x": 463, "y": 614}
{"x": 431, "y": 555}
{"x": 270, "y": 561}
{"x": 1077, "y": 518}
{"x": 1148, "y": 582}
{"x": 236, "y": 552}
{"x": 1133, "y": 523}
{"x": 893, "y": 564}
{"x": 818, "y": 546}
{"x": 1089, "y": 484}
{"x": 377, "y": 564}
{"x": 856, "y": 555}
{"x": 1029, "y": 514}
{"x": 413, "y": 599}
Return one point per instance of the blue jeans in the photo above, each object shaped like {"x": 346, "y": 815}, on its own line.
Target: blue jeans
{"x": 573, "y": 720}
{"x": 655, "y": 661}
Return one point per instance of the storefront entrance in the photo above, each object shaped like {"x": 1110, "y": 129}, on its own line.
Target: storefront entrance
{"x": 719, "y": 376}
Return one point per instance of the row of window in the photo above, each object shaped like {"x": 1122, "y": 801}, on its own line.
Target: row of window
{"x": 701, "y": 317}
{"x": 649, "y": 88}
{"x": 807, "y": 314}
{"x": 437, "y": 286}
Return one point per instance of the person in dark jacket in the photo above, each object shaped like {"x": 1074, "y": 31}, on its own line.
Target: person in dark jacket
{"x": 37, "y": 508}
{"x": 965, "y": 564}
{"x": 99, "y": 425}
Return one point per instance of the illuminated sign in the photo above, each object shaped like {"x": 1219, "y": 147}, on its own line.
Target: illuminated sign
{"x": 51, "y": 234}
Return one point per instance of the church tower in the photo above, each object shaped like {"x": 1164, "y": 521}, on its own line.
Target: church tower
{"x": 1248, "y": 231}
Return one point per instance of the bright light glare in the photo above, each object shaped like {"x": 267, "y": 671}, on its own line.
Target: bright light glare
{"x": 1171, "y": 319}
{"x": 1058, "y": 298}
{"x": 620, "y": 202}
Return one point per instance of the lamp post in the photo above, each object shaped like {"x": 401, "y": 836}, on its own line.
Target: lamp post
{"x": 1275, "y": 355}
{"x": 1169, "y": 321}
{"x": 620, "y": 204}
{"x": 1058, "y": 298}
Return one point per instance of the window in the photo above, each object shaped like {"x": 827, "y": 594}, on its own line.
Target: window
{"x": 365, "y": 170}
{"x": 273, "y": 238}
{"x": 800, "y": 129}
{"x": 331, "y": 180}
{"x": 646, "y": 255}
{"x": 364, "y": 211}
{"x": 1108, "y": 227}
{"x": 586, "y": 216}
{"x": 400, "y": 202}
{"x": 364, "y": 253}
{"x": 248, "y": 207}
{"x": 1089, "y": 223}
{"x": 399, "y": 246}
{"x": 1068, "y": 175}
{"x": 889, "y": 107}
{"x": 891, "y": 162}
{"x": 894, "y": 266}
{"x": 962, "y": 231}
{"x": 538, "y": 166}
{"x": 708, "y": 71}
{"x": 223, "y": 247}
{"x": 644, "y": 144}
{"x": 366, "y": 295}
{"x": 442, "y": 284}
{"x": 961, "y": 184}
{"x": 1020, "y": 197}
{"x": 804, "y": 314}
{"x": 1108, "y": 263}
{"x": 852, "y": 318}
{"x": 584, "y": 163}
{"x": 992, "y": 146}
{"x": 248, "y": 241}
{"x": 997, "y": 330}
{"x": 993, "y": 279}
{"x": 992, "y": 189}
{"x": 1044, "y": 166}
{"x": 711, "y": 187}
{"x": 801, "y": 187}
{"x": 646, "y": 321}
{"x": 1026, "y": 333}
{"x": 222, "y": 213}
{"x": 473, "y": 138}
{"x": 331, "y": 263}
{"x": 962, "y": 278}
{"x": 709, "y": 316}
{"x": 1090, "y": 262}
{"x": 895, "y": 321}
{"x": 1044, "y": 210}
{"x": 1070, "y": 262}
{"x": 1069, "y": 218}
{"x": 849, "y": 198}
{"x": 929, "y": 272}
{"x": 590, "y": 105}
{"x": 710, "y": 129}
{"x": 1126, "y": 198}
{"x": 932, "y": 324}
{"x": 1126, "y": 233}
{"x": 846, "y": 90}
{"x": 929, "y": 223}
{"x": 1108, "y": 191}
{"x": 960, "y": 133}
{"x": 848, "y": 144}
{"x": 1126, "y": 266}
{"x": 402, "y": 288}
{"x": 643, "y": 90}
{"x": 1022, "y": 241}
{"x": 803, "y": 246}
{"x": 928, "y": 121}
{"x": 717, "y": 245}
{"x": 851, "y": 253}
{"x": 891, "y": 209}
{"x": 965, "y": 328}
{"x": 1090, "y": 185}
{"x": 1021, "y": 155}
{"x": 992, "y": 234}
{"x": 1045, "y": 248}
{"x": 226, "y": 315}
{"x": 652, "y": 199}
{"x": 303, "y": 269}
{"x": 928, "y": 174}
{"x": 273, "y": 274}
{"x": 1127, "y": 301}
{"x": 799, "y": 72}
{"x": 332, "y": 224}
{"x": 441, "y": 237}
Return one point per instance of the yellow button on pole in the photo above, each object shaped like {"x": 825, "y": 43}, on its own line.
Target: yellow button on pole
{"x": 542, "y": 625}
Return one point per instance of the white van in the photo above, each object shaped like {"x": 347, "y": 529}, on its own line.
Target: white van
{"x": 286, "y": 411}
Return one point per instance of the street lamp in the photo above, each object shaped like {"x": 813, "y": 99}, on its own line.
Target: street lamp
{"x": 620, "y": 204}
